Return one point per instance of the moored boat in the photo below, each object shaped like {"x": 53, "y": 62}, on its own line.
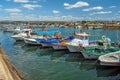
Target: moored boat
{"x": 63, "y": 43}
{"x": 80, "y": 39}
{"x": 111, "y": 59}
{"x": 22, "y": 35}
{"x": 31, "y": 41}
{"x": 60, "y": 46}
{"x": 48, "y": 38}
{"x": 48, "y": 42}
{"x": 94, "y": 52}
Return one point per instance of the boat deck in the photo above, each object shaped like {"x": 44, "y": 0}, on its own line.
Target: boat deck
{"x": 7, "y": 70}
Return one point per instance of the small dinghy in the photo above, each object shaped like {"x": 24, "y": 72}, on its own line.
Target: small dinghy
{"x": 111, "y": 59}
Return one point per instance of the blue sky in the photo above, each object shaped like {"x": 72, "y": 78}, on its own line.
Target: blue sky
{"x": 59, "y": 10}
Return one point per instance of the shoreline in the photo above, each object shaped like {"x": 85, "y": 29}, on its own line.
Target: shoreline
{"x": 7, "y": 70}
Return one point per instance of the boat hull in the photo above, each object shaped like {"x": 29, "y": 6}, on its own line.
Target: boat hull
{"x": 73, "y": 48}
{"x": 59, "y": 47}
{"x": 110, "y": 63}
{"x": 18, "y": 38}
{"x": 111, "y": 59}
{"x": 89, "y": 56}
{"x": 46, "y": 45}
{"x": 31, "y": 42}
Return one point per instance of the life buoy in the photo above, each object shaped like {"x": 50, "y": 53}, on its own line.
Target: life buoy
{"x": 58, "y": 35}
{"x": 29, "y": 27}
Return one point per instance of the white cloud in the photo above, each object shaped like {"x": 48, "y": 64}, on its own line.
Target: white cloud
{"x": 8, "y": 0}
{"x": 59, "y": 18}
{"x": 42, "y": 0}
{"x": 16, "y": 14}
{"x": 0, "y": 5}
{"x": 34, "y": 1}
{"x": 93, "y": 8}
{"x": 112, "y": 6}
{"x": 32, "y": 17}
{"x": 66, "y": 4}
{"x": 31, "y": 6}
{"x": 37, "y": 1}
{"x": 13, "y": 10}
{"x": 56, "y": 11}
{"x": 21, "y": 1}
{"x": 76, "y": 5}
{"x": 102, "y": 12}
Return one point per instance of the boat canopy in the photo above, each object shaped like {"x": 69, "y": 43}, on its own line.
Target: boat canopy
{"x": 48, "y": 32}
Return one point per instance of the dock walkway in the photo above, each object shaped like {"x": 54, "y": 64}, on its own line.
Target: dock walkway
{"x": 7, "y": 69}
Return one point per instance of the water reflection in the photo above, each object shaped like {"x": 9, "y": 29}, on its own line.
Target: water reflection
{"x": 19, "y": 44}
{"x": 106, "y": 71}
{"x": 28, "y": 48}
{"x": 87, "y": 65}
{"x": 44, "y": 52}
{"x": 58, "y": 54}
{"x": 74, "y": 57}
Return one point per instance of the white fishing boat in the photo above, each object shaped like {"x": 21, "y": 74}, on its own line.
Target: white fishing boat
{"x": 17, "y": 30}
{"x": 22, "y": 35}
{"x": 8, "y": 29}
{"x": 31, "y": 41}
{"x": 111, "y": 59}
{"x": 81, "y": 40}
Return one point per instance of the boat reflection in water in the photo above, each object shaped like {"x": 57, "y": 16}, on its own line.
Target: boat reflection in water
{"x": 87, "y": 65}
{"x": 31, "y": 49}
{"x": 74, "y": 57}
{"x": 19, "y": 43}
{"x": 58, "y": 54}
{"x": 44, "y": 52}
{"x": 108, "y": 71}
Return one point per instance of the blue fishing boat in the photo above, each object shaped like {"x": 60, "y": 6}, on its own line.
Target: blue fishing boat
{"x": 49, "y": 42}
{"x": 46, "y": 36}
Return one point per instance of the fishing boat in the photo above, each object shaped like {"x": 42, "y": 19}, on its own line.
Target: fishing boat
{"x": 49, "y": 42}
{"x": 62, "y": 44}
{"x": 59, "y": 46}
{"x": 22, "y": 35}
{"x": 111, "y": 59}
{"x": 8, "y": 29}
{"x": 41, "y": 36}
{"x": 31, "y": 41}
{"x": 17, "y": 30}
{"x": 94, "y": 52}
{"x": 48, "y": 37}
{"x": 80, "y": 39}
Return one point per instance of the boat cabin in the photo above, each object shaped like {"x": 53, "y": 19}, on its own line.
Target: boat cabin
{"x": 84, "y": 37}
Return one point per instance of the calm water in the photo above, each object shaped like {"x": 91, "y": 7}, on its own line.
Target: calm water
{"x": 37, "y": 63}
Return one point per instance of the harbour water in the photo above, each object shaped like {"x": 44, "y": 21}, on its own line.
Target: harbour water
{"x": 37, "y": 63}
